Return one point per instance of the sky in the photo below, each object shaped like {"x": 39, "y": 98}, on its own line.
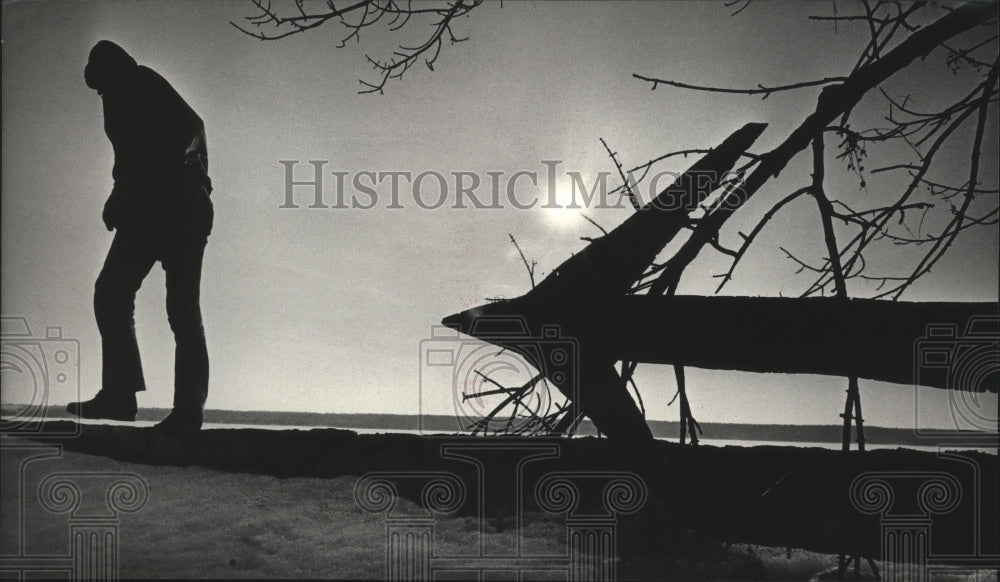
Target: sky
{"x": 327, "y": 309}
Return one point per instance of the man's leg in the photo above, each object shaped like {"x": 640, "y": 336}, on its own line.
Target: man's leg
{"x": 182, "y": 266}
{"x": 128, "y": 262}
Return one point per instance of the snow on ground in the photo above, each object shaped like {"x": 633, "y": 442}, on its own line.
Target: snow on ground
{"x": 202, "y": 523}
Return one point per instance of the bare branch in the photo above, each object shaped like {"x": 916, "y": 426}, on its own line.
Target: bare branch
{"x": 268, "y": 24}
{"x": 761, "y": 89}
{"x": 591, "y": 221}
{"x": 941, "y": 247}
{"x": 748, "y": 239}
{"x": 826, "y": 214}
{"x": 531, "y": 267}
{"x": 625, "y": 184}
{"x": 835, "y": 101}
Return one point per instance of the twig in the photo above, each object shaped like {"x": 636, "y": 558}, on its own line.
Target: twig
{"x": 367, "y": 12}
{"x": 625, "y": 183}
{"x": 591, "y": 221}
{"x": 531, "y": 267}
{"x": 761, "y": 89}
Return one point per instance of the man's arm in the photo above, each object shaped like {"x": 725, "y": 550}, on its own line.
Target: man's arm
{"x": 173, "y": 139}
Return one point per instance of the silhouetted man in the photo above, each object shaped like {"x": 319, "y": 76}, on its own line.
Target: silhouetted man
{"x": 161, "y": 210}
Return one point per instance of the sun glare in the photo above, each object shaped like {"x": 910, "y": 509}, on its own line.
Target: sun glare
{"x": 562, "y": 207}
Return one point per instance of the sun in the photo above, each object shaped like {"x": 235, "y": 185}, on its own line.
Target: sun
{"x": 561, "y": 208}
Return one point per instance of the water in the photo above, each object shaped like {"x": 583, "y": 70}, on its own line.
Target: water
{"x": 715, "y": 442}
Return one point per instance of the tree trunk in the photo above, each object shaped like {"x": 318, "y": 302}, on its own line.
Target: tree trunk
{"x": 935, "y": 344}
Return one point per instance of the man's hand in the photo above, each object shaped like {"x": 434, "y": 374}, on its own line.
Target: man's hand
{"x": 111, "y": 209}
{"x": 108, "y": 221}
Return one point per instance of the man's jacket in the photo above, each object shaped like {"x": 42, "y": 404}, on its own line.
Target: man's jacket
{"x": 161, "y": 157}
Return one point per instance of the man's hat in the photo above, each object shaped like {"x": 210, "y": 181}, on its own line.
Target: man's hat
{"x": 108, "y": 64}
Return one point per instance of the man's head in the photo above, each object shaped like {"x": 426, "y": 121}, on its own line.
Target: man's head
{"x": 109, "y": 65}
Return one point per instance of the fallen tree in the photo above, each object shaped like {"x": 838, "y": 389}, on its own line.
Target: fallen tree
{"x": 559, "y": 307}
{"x": 586, "y": 298}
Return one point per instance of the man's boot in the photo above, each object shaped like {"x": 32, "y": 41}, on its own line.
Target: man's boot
{"x": 181, "y": 421}
{"x": 186, "y": 416}
{"x": 107, "y": 405}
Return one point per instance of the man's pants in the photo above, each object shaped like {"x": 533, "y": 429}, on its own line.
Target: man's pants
{"x": 131, "y": 257}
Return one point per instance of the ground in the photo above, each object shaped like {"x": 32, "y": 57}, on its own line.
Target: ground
{"x": 206, "y": 523}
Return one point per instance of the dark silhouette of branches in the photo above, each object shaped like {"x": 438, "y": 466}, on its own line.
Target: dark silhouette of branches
{"x": 895, "y": 41}
{"x": 269, "y": 23}
{"x": 924, "y": 133}
{"x": 534, "y": 419}
{"x": 949, "y": 234}
{"x": 875, "y": 228}
{"x": 749, "y": 238}
{"x": 896, "y": 38}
